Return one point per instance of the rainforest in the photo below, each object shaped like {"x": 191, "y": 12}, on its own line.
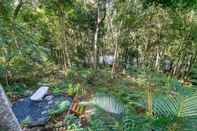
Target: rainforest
{"x": 98, "y": 65}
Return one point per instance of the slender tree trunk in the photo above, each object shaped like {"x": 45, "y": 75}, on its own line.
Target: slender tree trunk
{"x": 157, "y": 58}
{"x": 115, "y": 39}
{"x": 63, "y": 38}
{"x": 16, "y": 12}
{"x": 137, "y": 56}
{"x": 8, "y": 120}
{"x": 190, "y": 62}
{"x": 149, "y": 100}
{"x": 182, "y": 67}
{"x": 6, "y": 77}
{"x": 115, "y": 58}
{"x": 125, "y": 57}
{"x": 96, "y": 39}
{"x": 17, "y": 9}
{"x": 177, "y": 66}
{"x": 96, "y": 36}
{"x": 99, "y": 20}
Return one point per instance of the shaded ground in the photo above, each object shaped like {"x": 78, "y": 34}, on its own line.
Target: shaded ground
{"x": 36, "y": 113}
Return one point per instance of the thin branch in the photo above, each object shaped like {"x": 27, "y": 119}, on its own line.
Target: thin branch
{"x": 18, "y": 7}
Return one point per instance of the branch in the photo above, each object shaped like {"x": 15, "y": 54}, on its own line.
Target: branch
{"x": 18, "y": 7}
{"x": 103, "y": 18}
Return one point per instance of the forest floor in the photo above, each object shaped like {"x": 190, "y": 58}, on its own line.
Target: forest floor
{"x": 129, "y": 88}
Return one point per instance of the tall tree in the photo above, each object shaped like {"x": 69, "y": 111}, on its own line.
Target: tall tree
{"x": 64, "y": 43}
{"x": 100, "y": 17}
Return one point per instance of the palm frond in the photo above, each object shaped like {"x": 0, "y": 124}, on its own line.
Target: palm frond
{"x": 175, "y": 106}
{"x": 165, "y": 106}
{"x": 107, "y": 103}
{"x": 189, "y": 108}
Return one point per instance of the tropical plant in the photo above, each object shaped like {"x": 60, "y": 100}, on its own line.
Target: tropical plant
{"x": 177, "y": 110}
{"x": 107, "y": 103}
{"x": 60, "y": 107}
{"x": 77, "y": 90}
{"x": 72, "y": 122}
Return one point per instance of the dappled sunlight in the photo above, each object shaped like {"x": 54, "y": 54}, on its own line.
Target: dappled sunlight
{"x": 98, "y": 65}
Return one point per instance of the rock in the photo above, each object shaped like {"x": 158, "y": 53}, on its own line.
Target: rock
{"x": 50, "y": 102}
{"x": 21, "y": 99}
{"x": 47, "y": 107}
{"x": 39, "y": 122}
{"x": 28, "y": 92}
{"x": 37, "y": 111}
{"x": 44, "y": 112}
{"x": 49, "y": 97}
{"x": 39, "y": 94}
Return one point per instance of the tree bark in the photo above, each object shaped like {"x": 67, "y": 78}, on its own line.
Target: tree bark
{"x": 157, "y": 59}
{"x": 8, "y": 120}
{"x": 190, "y": 63}
{"x": 116, "y": 47}
{"x": 99, "y": 20}
{"x": 66, "y": 58}
{"x": 115, "y": 58}
{"x": 96, "y": 39}
{"x": 15, "y": 14}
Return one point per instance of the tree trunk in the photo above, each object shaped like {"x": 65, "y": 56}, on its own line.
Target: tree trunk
{"x": 125, "y": 57}
{"x": 115, "y": 35}
{"x": 8, "y": 120}
{"x": 16, "y": 12}
{"x": 99, "y": 20}
{"x": 115, "y": 58}
{"x": 182, "y": 66}
{"x": 17, "y": 9}
{"x": 149, "y": 100}
{"x": 137, "y": 56}
{"x": 157, "y": 58}
{"x": 190, "y": 62}
{"x": 96, "y": 39}
{"x": 65, "y": 59}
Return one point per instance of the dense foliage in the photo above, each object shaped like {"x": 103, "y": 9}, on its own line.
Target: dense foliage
{"x": 153, "y": 44}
